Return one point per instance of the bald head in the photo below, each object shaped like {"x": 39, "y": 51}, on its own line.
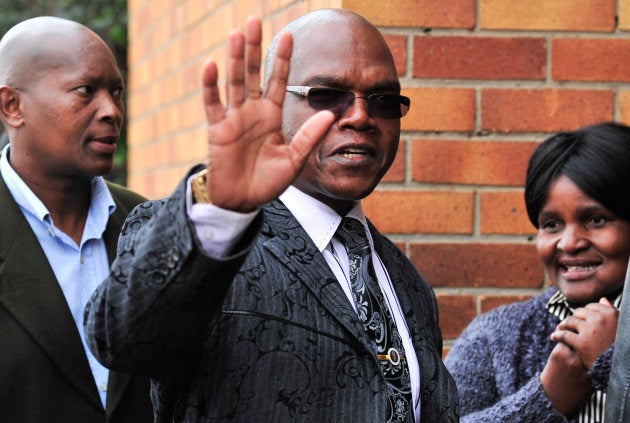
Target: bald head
{"x": 40, "y": 44}
{"x": 306, "y": 28}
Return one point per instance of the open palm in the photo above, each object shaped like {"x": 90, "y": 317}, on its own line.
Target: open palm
{"x": 249, "y": 161}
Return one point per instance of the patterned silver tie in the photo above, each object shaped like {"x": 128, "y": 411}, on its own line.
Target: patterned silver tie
{"x": 377, "y": 320}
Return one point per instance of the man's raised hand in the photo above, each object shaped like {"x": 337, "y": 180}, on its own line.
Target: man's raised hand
{"x": 249, "y": 161}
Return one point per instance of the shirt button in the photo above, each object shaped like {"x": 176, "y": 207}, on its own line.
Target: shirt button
{"x": 208, "y": 233}
{"x": 171, "y": 260}
{"x": 103, "y": 387}
{"x": 82, "y": 259}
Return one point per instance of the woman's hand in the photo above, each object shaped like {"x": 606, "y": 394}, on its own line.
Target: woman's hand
{"x": 590, "y": 331}
{"x": 565, "y": 380}
{"x": 581, "y": 338}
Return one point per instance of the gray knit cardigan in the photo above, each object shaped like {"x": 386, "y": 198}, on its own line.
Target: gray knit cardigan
{"x": 498, "y": 359}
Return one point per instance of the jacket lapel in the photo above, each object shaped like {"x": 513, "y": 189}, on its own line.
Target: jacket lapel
{"x": 30, "y": 292}
{"x": 117, "y": 382}
{"x": 292, "y": 246}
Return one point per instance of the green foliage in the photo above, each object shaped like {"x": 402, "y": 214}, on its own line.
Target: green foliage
{"x": 108, "y": 18}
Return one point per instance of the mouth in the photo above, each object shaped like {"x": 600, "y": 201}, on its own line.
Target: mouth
{"x": 354, "y": 152}
{"x": 580, "y": 268}
{"x": 107, "y": 139}
{"x": 576, "y": 271}
{"x": 105, "y": 144}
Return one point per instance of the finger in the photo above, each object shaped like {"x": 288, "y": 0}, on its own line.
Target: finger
{"x": 309, "y": 134}
{"x": 565, "y": 337}
{"x": 571, "y": 323}
{"x": 253, "y": 56}
{"x": 211, "y": 93}
{"x": 236, "y": 70}
{"x": 604, "y": 301}
{"x": 277, "y": 85}
{"x": 590, "y": 309}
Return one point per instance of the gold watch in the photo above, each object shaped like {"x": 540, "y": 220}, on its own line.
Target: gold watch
{"x": 199, "y": 191}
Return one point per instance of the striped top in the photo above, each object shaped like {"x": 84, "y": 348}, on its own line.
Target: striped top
{"x": 593, "y": 410}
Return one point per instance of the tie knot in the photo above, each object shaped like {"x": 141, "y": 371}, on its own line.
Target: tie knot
{"x": 352, "y": 233}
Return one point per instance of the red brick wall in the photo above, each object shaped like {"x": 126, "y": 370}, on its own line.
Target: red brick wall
{"x": 488, "y": 79}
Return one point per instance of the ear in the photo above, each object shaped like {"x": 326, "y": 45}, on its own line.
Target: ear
{"x": 10, "y": 110}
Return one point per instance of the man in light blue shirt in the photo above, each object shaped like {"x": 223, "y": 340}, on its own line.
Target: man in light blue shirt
{"x": 62, "y": 106}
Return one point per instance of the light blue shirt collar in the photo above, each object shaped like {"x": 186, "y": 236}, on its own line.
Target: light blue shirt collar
{"x": 101, "y": 206}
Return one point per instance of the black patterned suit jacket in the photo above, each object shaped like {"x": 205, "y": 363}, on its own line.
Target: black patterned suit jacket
{"x": 44, "y": 372}
{"x": 265, "y": 335}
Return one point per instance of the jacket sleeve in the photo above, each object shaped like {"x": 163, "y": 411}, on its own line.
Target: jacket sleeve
{"x": 474, "y": 363}
{"x": 150, "y": 315}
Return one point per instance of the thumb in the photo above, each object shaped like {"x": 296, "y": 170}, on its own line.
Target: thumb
{"x": 605, "y": 302}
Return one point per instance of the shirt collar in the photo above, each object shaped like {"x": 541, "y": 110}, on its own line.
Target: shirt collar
{"x": 318, "y": 220}
{"x": 22, "y": 194}
{"x": 559, "y": 305}
{"x": 101, "y": 206}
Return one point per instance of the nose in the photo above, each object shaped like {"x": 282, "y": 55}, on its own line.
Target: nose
{"x": 110, "y": 107}
{"x": 357, "y": 115}
{"x": 572, "y": 239}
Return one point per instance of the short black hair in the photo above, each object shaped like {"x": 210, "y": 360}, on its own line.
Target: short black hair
{"x": 595, "y": 158}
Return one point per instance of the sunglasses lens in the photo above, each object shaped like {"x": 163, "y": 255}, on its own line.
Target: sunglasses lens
{"x": 384, "y": 106}
{"x": 388, "y": 106}
{"x": 337, "y": 101}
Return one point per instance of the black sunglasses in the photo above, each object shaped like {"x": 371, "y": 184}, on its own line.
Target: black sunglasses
{"x": 384, "y": 106}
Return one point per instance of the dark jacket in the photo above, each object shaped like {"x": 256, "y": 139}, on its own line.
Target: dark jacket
{"x": 265, "y": 335}
{"x": 618, "y": 396}
{"x": 44, "y": 372}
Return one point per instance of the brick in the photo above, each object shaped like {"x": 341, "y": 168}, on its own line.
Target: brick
{"x": 284, "y": 16}
{"x": 556, "y": 15}
{"x": 192, "y": 43}
{"x": 168, "y": 178}
{"x": 321, "y": 4}
{"x": 624, "y": 107}
{"x": 470, "y": 162}
{"x": 195, "y": 11}
{"x": 215, "y": 30}
{"x": 504, "y": 213}
{"x": 139, "y": 183}
{"x": 398, "y": 45}
{"x": 579, "y": 59}
{"x": 396, "y": 172}
{"x": 624, "y": 15}
{"x": 515, "y": 110}
{"x": 190, "y": 146}
{"x": 423, "y": 211}
{"x": 479, "y": 57}
{"x": 190, "y": 78}
{"x": 489, "y": 302}
{"x": 478, "y": 265}
{"x": 245, "y": 8}
{"x": 138, "y": 133}
{"x": 456, "y": 311}
{"x": 440, "y": 109}
{"x": 416, "y": 13}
